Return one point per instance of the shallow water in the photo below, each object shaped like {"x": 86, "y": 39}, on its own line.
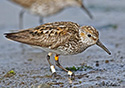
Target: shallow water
{"x": 31, "y": 67}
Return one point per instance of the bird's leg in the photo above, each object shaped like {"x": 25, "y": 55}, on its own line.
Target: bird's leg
{"x": 41, "y": 20}
{"x": 86, "y": 10}
{"x": 51, "y": 66}
{"x": 58, "y": 64}
{"x": 21, "y": 27}
{"x": 21, "y": 19}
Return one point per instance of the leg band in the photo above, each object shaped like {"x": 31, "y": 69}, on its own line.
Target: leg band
{"x": 70, "y": 73}
{"x": 52, "y": 68}
{"x": 56, "y": 58}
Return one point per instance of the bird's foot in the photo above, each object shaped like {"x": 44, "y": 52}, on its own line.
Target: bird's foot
{"x": 54, "y": 75}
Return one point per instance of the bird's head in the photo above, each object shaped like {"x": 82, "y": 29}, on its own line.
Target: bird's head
{"x": 90, "y": 36}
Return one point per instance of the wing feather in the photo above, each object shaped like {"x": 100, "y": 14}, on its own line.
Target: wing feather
{"x": 49, "y": 35}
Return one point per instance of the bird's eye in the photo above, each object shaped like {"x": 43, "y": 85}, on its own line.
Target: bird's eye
{"x": 89, "y": 35}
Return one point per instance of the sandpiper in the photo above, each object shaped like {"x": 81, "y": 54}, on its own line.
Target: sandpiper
{"x": 44, "y": 8}
{"x": 59, "y": 38}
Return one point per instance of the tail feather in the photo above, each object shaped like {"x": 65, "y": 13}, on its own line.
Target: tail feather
{"x": 20, "y": 36}
{"x": 11, "y": 35}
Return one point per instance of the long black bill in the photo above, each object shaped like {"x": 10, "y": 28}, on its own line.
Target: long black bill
{"x": 103, "y": 47}
{"x": 86, "y": 10}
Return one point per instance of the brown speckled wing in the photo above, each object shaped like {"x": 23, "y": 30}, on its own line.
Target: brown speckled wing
{"x": 49, "y": 35}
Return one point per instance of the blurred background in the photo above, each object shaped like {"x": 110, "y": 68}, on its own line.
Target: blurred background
{"x": 108, "y": 18}
{"x": 102, "y": 12}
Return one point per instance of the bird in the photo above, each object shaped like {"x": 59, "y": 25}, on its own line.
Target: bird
{"x": 45, "y": 8}
{"x": 59, "y": 38}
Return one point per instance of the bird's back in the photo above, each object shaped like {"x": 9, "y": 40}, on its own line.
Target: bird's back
{"x": 50, "y": 35}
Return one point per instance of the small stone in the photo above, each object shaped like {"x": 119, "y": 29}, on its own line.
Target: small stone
{"x": 103, "y": 83}
{"x": 121, "y": 57}
{"x": 106, "y": 61}
{"x": 97, "y": 63}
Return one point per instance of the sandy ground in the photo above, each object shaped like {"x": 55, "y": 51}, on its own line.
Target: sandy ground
{"x": 31, "y": 68}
